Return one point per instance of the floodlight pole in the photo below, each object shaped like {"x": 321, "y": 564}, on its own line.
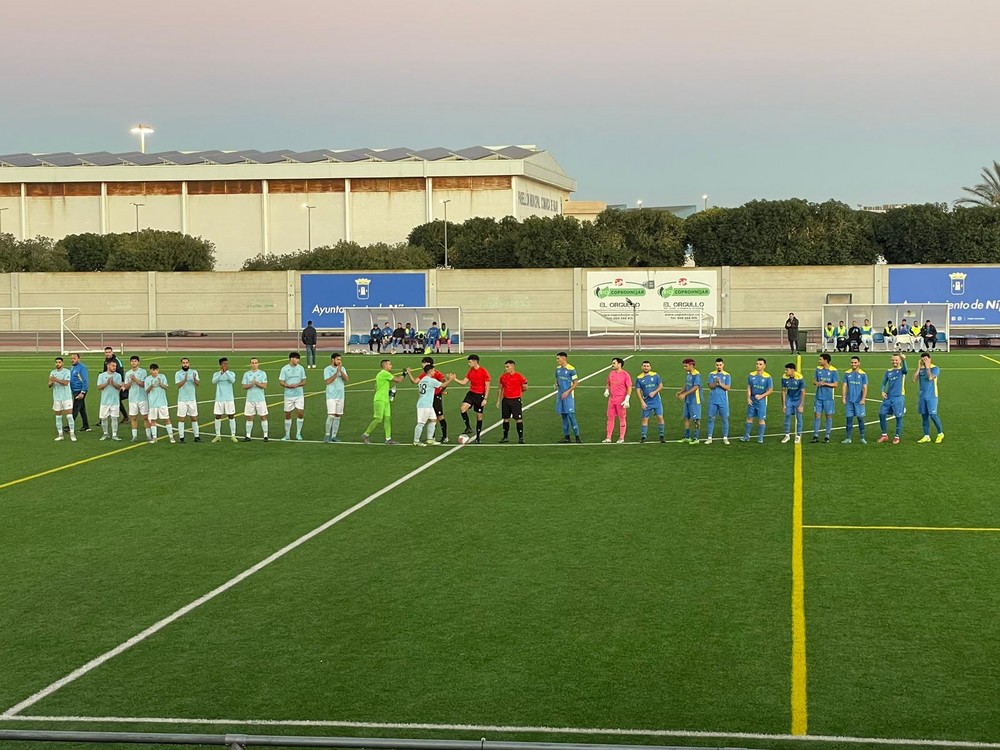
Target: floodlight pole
{"x": 141, "y": 131}
{"x": 445, "y": 204}
{"x": 704, "y": 202}
{"x": 309, "y": 226}
{"x": 137, "y": 207}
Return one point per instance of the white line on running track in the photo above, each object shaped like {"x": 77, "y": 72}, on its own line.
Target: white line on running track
{"x": 596, "y": 731}
{"x": 94, "y": 663}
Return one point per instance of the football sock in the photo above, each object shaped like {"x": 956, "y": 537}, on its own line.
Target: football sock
{"x": 934, "y": 418}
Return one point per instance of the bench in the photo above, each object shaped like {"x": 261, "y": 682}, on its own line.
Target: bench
{"x": 964, "y": 340}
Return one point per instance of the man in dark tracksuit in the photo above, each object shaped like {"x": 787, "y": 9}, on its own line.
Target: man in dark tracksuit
{"x": 79, "y": 384}
{"x": 109, "y": 356}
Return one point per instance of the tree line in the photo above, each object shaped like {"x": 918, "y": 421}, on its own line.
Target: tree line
{"x": 789, "y": 232}
{"x": 149, "y": 250}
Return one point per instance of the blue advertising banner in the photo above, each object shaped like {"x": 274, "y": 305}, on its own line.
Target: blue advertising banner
{"x": 325, "y": 295}
{"x": 972, "y": 292}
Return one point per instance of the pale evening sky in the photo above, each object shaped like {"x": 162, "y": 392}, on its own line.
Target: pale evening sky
{"x": 865, "y": 101}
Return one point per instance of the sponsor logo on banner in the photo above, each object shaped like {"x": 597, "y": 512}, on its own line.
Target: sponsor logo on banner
{"x": 653, "y": 298}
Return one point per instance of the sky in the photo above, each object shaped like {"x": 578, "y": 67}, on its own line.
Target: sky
{"x": 866, "y": 102}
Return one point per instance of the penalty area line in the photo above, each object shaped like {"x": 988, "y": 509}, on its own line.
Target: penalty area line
{"x": 13, "y": 711}
{"x": 513, "y": 729}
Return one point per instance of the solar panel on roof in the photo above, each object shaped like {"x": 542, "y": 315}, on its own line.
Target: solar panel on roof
{"x": 394, "y": 154}
{"x": 515, "y": 152}
{"x": 186, "y": 159}
{"x": 271, "y": 157}
{"x": 311, "y": 157}
{"x": 63, "y": 159}
{"x": 139, "y": 159}
{"x": 101, "y": 159}
{"x": 21, "y": 160}
{"x": 476, "y": 152}
{"x": 223, "y": 157}
{"x": 357, "y": 154}
{"x": 434, "y": 154}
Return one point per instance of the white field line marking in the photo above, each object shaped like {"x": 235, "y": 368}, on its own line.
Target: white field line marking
{"x": 596, "y": 731}
{"x": 13, "y": 711}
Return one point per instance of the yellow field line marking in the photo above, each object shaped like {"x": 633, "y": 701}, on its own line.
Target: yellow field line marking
{"x": 990, "y": 358}
{"x": 800, "y": 720}
{"x": 836, "y": 527}
{"x": 83, "y": 461}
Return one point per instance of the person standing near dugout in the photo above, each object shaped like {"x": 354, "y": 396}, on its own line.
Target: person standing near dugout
{"x": 792, "y": 332}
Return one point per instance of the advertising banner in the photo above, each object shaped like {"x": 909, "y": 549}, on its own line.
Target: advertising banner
{"x": 670, "y": 298}
{"x": 971, "y": 292}
{"x": 325, "y": 295}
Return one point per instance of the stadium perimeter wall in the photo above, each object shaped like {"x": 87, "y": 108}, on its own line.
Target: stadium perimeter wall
{"x": 521, "y": 299}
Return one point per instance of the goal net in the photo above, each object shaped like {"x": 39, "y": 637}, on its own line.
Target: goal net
{"x": 40, "y": 328}
{"x": 359, "y": 321}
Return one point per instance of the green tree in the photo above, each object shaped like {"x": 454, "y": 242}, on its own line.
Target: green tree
{"x": 156, "y": 250}
{"x": 648, "y": 237}
{"x": 265, "y": 262}
{"x": 430, "y": 237}
{"x": 913, "y": 234}
{"x": 37, "y": 255}
{"x": 974, "y": 236}
{"x": 987, "y": 192}
{"x": 89, "y": 251}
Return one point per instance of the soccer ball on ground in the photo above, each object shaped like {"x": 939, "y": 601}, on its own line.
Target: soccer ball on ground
{"x": 463, "y": 439}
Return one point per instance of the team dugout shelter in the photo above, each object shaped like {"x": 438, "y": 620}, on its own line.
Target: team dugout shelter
{"x": 250, "y": 202}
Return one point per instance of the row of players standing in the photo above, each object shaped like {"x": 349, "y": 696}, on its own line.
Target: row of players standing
{"x": 760, "y": 386}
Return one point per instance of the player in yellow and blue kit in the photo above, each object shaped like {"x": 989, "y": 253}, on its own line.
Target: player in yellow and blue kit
{"x": 648, "y": 385}
{"x": 760, "y": 385}
{"x": 854, "y": 394}
{"x": 927, "y": 404}
{"x": 825, "y": 380}
{"x": 719, "y": 383}
{"x": 566, "y": 380}
{"x": 691, "y": 396}
{"x": 893, "y": 399}
{"x": 793, "y": 389}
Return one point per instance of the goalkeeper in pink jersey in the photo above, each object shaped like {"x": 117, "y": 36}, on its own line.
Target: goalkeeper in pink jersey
{"x": 617, "y": 392}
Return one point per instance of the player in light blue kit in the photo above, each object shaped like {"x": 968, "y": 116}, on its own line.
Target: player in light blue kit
{"x": 335, "y": 377}
{"x": 854, "y": 394}
{"x": 566, "y": 380}
{"x": 426, "y": 385}
{"x": 927, "y": 404}
{"x": 691, "y": 396}
{"x": 109, "y": 383}
{"x": 760, "y": 385}
{"x": 187, "y": 382}
{"x": 793, "y": 401}
{"x": 825, "y": 380}
{"x": 893, "y": 399}
{"x": 62, "y": 399}
{"x": 225, "y": 401}
{"x": 254, "y": 385}
{"x": 719, "y": 383}
{"x": 648, "y": 385}
{"x": 292, "y": 377}
{"x": 134, "y": 384}
{"x": 156, "y": 391}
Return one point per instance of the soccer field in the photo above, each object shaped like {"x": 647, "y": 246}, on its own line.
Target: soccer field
{"x": 750, "y": 595}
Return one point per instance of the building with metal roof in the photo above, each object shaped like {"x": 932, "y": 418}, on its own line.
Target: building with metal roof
{"x": 248, "y": 202}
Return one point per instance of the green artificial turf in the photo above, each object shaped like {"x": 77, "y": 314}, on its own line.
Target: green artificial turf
{"x": 596, "y": 586}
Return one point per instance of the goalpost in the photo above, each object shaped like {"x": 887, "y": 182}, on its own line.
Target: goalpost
{"x": 358, "y": 321}
{"x": 51, "y": 320}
